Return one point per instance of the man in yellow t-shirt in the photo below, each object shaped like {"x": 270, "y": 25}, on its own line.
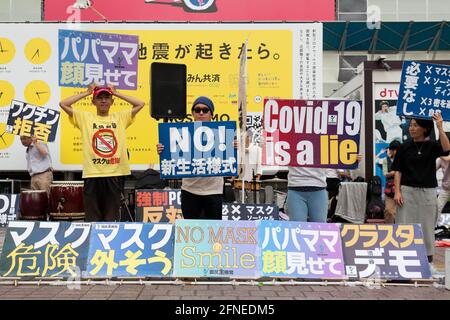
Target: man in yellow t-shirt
{"x": 105, "y": 159}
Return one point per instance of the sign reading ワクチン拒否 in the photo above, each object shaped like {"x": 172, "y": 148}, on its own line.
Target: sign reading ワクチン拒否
{"x": 25, "y": 119}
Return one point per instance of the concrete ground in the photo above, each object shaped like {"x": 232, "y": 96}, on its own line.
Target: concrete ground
{"x": 224, "y": 292}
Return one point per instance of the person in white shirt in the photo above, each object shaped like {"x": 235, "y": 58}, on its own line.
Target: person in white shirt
{"x": 39, "y": 163}
{"x": 391, "y": 122}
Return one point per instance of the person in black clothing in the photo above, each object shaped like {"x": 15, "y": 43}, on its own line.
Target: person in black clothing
{"x": 415, "y": 177}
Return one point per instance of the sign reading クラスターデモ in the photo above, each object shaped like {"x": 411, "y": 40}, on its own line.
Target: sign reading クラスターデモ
{"x": 388, "y": 251}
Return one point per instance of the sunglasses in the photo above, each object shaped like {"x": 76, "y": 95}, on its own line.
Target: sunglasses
{"x": 201, "y": 110}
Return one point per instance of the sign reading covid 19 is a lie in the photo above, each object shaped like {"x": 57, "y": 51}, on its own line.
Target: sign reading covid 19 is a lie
{"x": 311, "y": 133}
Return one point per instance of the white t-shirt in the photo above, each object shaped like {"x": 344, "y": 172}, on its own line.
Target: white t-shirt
{"x": 332, "y": 173}
{"x": 307, "y": 177}
{"x": 203, "y": 186}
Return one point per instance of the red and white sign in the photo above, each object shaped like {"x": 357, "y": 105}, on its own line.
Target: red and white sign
{"x": 170, "y": 10}
{"x": 104, "y": 143}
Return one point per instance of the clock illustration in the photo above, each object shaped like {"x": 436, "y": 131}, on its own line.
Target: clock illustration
{"x": 7, "y": 93}
{"x": 7, "y": 50}
{"x": 37, "y": 50}
{"x": 37, "y": 92}
{"x": 6, "y": 139}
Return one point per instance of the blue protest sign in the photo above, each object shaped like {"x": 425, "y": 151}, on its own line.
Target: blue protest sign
{"x": 198, "y": 149}
{"x": 9, "y": 207}
{"x": 45, "y": 249}
{"x": 424, "y": 90}
{"x": 130, "y": 250}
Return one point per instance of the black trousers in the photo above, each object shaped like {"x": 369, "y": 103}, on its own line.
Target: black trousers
{"x": 102, "y": 198}
{"x": 333, "y": 190}
{"x": 201, "y": 207}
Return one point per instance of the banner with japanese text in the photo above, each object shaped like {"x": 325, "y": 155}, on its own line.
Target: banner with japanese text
{"x": 30, "y": 72}
{"x": 101, "y": 58}
{"x": 424, "y": 90}
{"x": 45, "y": 249}
{"x": 301, "y": 250}
{"x": 9, "y": 208}
{"x": 311, "y": 133}
{"x": 28, "y": 120}
{"x": 130, "y": 250}
{"x": 240, "y": 211}
{"x": 155, "y": 205}
{"x": 384, "y": 251}
{"x": 198, "y": 149}
{"x": 213, "y": 248}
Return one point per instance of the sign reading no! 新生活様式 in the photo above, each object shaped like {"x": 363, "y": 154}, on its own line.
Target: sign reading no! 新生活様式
{"x": 198, "y": 149}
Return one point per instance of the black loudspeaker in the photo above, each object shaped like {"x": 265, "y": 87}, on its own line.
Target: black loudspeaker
{"x": 168, "y": 90}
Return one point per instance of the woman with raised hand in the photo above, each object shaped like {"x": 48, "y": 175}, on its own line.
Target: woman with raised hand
{"x": 415, "y": 177}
